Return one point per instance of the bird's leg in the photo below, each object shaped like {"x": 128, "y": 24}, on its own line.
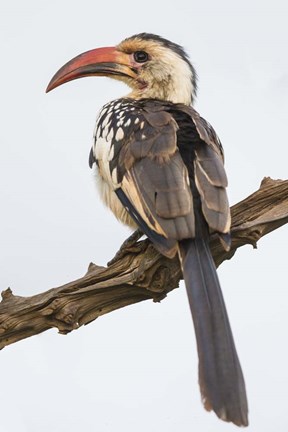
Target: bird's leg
{"x": 130, "y": 241}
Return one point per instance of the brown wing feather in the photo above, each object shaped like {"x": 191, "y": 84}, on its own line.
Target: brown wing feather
{"x": 210, "y": 177}
{"x": 164, "y": 189}
{"x": 156, "y": 179}
{"x": 211, "y": 182}
{"x": 205, "y": 130}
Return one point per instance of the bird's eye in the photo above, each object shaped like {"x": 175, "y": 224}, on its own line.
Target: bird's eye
{"x": 141, "y": 56}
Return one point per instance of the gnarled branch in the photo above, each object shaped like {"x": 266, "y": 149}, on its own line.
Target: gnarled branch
{"x": 138, "y": 273}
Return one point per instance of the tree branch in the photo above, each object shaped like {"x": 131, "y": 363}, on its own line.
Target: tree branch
{"x": 137, "y": 273}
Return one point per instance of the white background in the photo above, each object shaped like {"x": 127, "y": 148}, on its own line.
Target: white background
{"x": 135, "y": 369}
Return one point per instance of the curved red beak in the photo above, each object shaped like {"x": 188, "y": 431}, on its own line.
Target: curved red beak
{"x": 97, "y": 62}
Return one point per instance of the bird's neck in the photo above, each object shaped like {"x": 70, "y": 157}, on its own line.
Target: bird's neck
{"x": 169, "y": 92}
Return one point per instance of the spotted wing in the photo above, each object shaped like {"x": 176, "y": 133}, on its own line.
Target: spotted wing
{"x": 154, "y": 179}
{"x": 140, "y": 155}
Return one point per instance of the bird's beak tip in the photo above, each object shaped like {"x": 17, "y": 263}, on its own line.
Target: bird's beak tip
{"x": 48, "y": 88}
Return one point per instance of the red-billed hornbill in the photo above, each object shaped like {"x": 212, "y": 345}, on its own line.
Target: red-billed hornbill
{"x": 160, "y": 168}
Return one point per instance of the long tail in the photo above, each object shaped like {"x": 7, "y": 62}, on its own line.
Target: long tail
{"x": 220, "y": 376}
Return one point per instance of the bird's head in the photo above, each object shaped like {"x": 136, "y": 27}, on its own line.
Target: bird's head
{"x": 152, "y": 66}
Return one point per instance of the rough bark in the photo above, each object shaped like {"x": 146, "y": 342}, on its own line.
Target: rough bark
{"x": 137, "y": 273}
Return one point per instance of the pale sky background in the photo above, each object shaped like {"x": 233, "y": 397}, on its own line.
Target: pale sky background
{"x": 135, "y": 369}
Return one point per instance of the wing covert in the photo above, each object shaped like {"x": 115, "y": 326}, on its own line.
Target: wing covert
{"x": 209, "y": 173}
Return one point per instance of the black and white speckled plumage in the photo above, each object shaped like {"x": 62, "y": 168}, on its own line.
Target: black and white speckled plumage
{"x": 127, "y": 132}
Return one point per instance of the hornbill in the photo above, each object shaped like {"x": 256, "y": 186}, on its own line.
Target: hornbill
{"x": 160, "y": 168}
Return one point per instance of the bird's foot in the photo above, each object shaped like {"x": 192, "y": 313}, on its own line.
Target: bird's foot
{"x": 128, "y": 243}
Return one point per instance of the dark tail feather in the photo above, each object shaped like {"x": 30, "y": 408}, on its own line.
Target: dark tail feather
{"x": 220, "y": 376}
